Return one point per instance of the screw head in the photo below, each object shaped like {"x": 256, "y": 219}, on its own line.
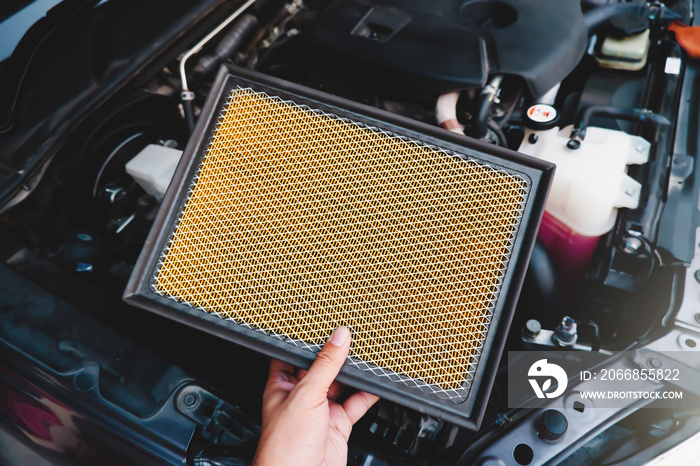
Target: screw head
{"x": 632, "y": 245}
{"x": 190, "y": 399}
{"x": 532, "y": 138}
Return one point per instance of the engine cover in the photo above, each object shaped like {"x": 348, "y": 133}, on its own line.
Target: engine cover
{"x": 433, "y": 47}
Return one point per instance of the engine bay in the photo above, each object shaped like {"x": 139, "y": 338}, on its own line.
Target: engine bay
{"x": 594, "y": 87}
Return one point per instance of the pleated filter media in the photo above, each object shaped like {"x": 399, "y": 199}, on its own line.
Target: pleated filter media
{"x": 292, "y": 216}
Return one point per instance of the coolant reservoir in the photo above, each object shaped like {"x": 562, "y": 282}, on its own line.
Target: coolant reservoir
{"x": 590, "y": 184}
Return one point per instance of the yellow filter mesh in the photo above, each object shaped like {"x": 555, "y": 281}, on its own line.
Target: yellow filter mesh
{"x": 298, "y": 222}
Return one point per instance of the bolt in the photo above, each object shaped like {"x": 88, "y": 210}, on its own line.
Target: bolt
{"x": 639, "y": 149}
{"x": 566, "y": 333}
{"x": 189, "y": 399}
{"x": 569, "y": 324}
{"x": 532, "y": 329}
{"x": 655, "y": 363}
{"x": 573, "y": 144}
{"x": 632, "y": 245}
{"x": 697, "y": 316}
{"x": 502, "y": 420}
{"x": 532, "y": 138}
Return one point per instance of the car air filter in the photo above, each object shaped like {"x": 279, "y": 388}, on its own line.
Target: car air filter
{"x": 294, "y": 212}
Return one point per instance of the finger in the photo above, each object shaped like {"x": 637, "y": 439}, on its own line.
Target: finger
{"x": 277, "y": 366}
{"x": 328, "y": 362}
{"x": 282, "y": 380}
{"x": 339, "y": 420}
{"x": 280, "y": 374}
{"x": 358, "y": 404}
{"x": 335, "y": 390}
{"x": 279, "y": 383}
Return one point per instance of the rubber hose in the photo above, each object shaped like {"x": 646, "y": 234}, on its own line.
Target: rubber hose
{"x": 227, "y": 46}
{"x": 189, "y": 114}
{"x": 584, "y": 116}
{"x": 598, "y": 17}
{"x": 480, "y": 126}
{"x": 542, "y": 287}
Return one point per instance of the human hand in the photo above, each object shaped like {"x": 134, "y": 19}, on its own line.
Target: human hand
{"x": 302, "y": 422}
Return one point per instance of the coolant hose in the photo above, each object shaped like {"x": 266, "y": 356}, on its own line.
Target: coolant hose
{"x": 584, "y": 116}
{"x": 480, "y": 127}
{"x": 542, "y": 287}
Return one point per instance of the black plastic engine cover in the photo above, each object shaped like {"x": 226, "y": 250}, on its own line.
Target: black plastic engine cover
{"x": 442, "y": 45}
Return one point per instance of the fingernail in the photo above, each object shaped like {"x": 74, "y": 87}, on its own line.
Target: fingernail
{"x": 340, "y": 336}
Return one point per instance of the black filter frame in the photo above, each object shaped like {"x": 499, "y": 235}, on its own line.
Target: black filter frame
{"x": 468, "y": 413}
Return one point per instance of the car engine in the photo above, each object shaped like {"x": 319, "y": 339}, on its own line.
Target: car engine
{"x": 600, "y": 88}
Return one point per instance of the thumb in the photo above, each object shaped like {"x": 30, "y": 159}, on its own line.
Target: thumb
{"x": 329, "y": 360}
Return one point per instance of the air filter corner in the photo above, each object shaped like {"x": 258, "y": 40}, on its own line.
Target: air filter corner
{"x": 294, "y": 212}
